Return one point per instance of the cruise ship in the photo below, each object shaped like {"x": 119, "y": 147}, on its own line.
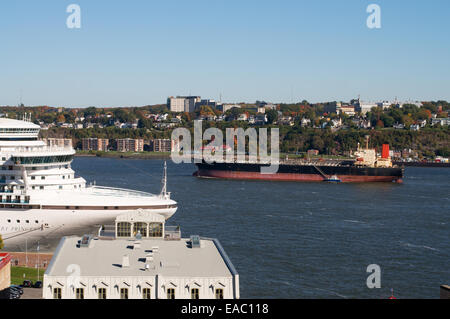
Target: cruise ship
{"x": 41, "y": 195}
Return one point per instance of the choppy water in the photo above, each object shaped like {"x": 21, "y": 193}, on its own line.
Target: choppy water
{"x": 309, "y": 240}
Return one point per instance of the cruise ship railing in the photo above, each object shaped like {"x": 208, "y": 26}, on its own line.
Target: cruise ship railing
{"x": 122, "y": 190}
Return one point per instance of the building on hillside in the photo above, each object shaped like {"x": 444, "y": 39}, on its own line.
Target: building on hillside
{"x": 5, "y": 271}
{"x": 440, "y": 121}
{"x": 161, "y": 145}
{"x": 130, "y": 145}
{"x": 225, "y": 107}
{"x": 140, "y": 258}
{"x": 94, "y": 144}
{"x": 183, "y": 103}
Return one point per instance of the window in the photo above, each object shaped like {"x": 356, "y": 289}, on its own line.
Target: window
{"x": 123, "y": 229}
{"x": 195, "y": 293}
{"x": 146, "y": 293}
{"x": 170, "y": 293}
{"x": 101, "y": 293}
{"x": 140, "y": 227}
{"x": 9, "y": 220}
{"x": 155, "y": 230}
{"x": 41, "y": 187}
{"x": 33, "y": 177}
{"x": 80, "y": 293}
{"x": 123, "y": 293}
{"x": 219, "y": 293}
{"x": 57, "y": 293}
{"x": 42, "y": 177}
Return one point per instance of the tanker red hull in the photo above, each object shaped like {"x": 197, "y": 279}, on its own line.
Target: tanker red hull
{"x": 291, "y": 177}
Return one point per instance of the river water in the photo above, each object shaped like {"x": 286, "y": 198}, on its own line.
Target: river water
{"x": 308, "y": 240}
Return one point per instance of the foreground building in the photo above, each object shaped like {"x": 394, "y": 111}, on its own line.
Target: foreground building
{"x": 5, "y": 270}
{"x": 140, "y": 258}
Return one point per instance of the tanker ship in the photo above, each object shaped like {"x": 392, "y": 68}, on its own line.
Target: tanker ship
{"x": 364, "y": 166}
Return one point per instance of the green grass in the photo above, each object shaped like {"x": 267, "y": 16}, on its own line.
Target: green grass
{"x": 125, "y": 154}
{"x": 17, "y": 277}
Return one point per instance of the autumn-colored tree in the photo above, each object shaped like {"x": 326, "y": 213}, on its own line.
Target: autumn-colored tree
{"x": 61, "y": 118}
{"x": 1, "y": 243}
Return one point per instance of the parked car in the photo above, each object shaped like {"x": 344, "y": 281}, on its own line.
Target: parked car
{"x": 37, "y": 284}
{"x": 27, "y": 284}
{"x": 9, "y": 293}
{"x": 16, "y": 288}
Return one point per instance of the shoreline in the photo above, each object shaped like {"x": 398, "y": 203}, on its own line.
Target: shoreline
{"x": 157, "y": 155}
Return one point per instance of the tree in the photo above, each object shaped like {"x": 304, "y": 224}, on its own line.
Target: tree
{"x": 1, "y": 243}
{"x": 272, "y": 116}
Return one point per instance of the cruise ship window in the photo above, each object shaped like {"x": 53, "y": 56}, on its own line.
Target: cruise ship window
{"x": 9, "y": 220}
{"x": 195, "y": 293}
{"x": 42, "y": 177}
{"x": 170, "y": 293}
{"x": 41, "y": 187}
{"x": 33, "y": 187}
{"x": 36, "y": 221}
{"x": 219, "y": 293}
{"x": 27, "y": 221}
{"x": 13, "y": 177}
{"x": 123, "y": 293}
{"x": 146, "y": 293}
{"x": 18, "y": 221}
{"x": 101, "y": 293}
{"x": 33, "y": 177}
{"x": 60, "y": 187}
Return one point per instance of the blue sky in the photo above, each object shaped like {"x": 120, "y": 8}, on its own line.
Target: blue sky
{"x": 138, "y": 52}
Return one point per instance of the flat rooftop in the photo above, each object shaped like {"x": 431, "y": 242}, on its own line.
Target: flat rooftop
{"x": 173, "y": 258}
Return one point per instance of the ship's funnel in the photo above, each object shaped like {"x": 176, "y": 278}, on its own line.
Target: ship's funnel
{"x": 385, "y": 151}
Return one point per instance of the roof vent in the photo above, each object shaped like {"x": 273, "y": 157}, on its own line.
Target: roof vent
{"x": 85, "y": 240}
{"x": 125, "y": 261}
{"x": 195, "y": 241}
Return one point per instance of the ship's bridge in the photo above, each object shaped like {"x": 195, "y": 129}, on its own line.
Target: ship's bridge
{"x": 11, "y": 130}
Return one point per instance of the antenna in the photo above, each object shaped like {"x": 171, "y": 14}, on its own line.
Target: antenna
{"x": 164, "y": 192}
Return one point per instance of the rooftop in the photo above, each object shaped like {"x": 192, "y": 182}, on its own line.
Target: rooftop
{"x": 167, "y": 258}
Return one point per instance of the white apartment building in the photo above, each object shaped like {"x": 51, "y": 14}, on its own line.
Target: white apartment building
{"x": 183, "y": 103}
